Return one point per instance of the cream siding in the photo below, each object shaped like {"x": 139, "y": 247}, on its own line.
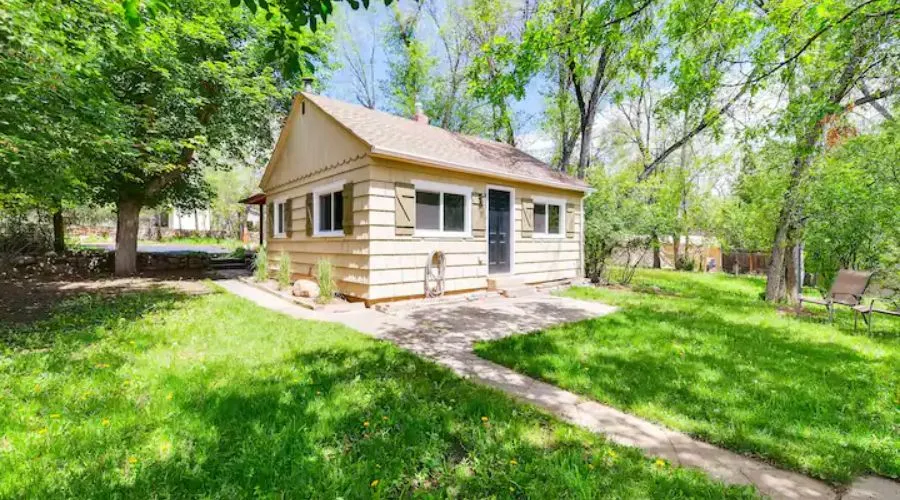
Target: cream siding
{"x": 397, "y": 263}
{"x": 373, "y": 263}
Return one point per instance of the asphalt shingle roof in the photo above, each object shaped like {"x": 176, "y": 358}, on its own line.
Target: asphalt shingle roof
{"x": 395, "y": 136}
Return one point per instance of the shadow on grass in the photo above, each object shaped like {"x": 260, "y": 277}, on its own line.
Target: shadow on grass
{"x": 370, "y": 422}
{"x": 82, "y": 318}
{"x": 822, "y": 407}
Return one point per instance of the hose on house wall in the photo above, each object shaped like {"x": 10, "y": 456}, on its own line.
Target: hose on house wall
{"x": 434, "y": 274}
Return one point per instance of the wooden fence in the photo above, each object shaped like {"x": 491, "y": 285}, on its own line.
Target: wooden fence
{"x": 744, "y": 262}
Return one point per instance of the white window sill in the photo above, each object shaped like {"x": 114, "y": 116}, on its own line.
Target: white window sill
{"x": 435, "y": 233}
{"x": 329, "y": 234}
{"x": 547, "y": 236}
{"x": 279, "y": 236}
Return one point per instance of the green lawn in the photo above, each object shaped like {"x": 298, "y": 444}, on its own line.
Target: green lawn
{"x": 703, "y": 354}
{"x": 156, "y": 394}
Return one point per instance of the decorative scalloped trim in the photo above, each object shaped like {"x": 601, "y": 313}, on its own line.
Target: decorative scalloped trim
{"x": 319, "y": 171}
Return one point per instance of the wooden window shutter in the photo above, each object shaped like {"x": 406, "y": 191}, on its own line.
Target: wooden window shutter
{"x": 288, "y": 218}
{"x": 478, "y": 216}
{"x": 527, "y": 217}
{"x": 270, "y": 220}
{"x": 309, "y": 214}
{"x": 404, "y": 209}
{"x": 570, "y": 220}
{"x": 347, "y": 201}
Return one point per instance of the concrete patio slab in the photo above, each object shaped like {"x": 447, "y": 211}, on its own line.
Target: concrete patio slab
{"x": 446, "y": 331}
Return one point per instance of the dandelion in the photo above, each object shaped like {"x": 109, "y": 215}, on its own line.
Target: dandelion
{"x": 612, "y": 453}
{"x": 105, "y": 422}
{"x": 132, "y": 460}
{"x": 660, "y": 462}
{"x": 169, "y": 397}
{"x": 366, "y": 423}
{"x": 374, "y": 483}
{"x": 484, "y": 419}
{"x": 513, "y": 462}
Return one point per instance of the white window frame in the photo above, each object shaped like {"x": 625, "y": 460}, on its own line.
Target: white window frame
{"x": 440, "y": 188}
{"x": 334, "y": 188}
{"x": 561, "y": 203}
{"x": 278, "y": 214}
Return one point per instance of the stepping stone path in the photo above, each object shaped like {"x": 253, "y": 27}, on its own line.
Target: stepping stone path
{"x": 446, "y": 329}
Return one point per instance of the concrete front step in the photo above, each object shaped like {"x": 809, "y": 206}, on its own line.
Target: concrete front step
{"x": 503, "y": 282}
{"x": 519, "y": 291}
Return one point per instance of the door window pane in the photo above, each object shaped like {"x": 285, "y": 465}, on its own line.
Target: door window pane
{"x": 325, "y": 212}
{"x": 428, "y": 209}
{"x": 454, "y": 212}
{"x": 554, "y": 219}
{"x": 540, "y": 218}
{"x": 338, "y": 202}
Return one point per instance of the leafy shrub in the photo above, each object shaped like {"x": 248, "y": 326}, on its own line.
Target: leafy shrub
{"x": 239, "y": 253}
{"x": 326, "y": 280}
{"x": 261, "y": 264}
{"x": 685, "y": 263}
{"x": 284, "y": 271}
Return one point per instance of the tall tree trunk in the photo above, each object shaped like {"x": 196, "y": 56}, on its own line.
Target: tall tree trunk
{"x": 791, "y": 270}
{"x": 676, "y": 248}
{"x": 654, "y": 245}
{"x": 59, "y": 231}
{"x": 127, "y": 220}
{"x": 788, "y": 218}
{"x": 584, "y": 154}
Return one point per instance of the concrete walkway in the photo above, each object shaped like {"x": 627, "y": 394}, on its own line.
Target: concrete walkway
{"x": 446, "y": 331}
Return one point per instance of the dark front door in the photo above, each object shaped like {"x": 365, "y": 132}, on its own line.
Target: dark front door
{"x": 498, "y": 231}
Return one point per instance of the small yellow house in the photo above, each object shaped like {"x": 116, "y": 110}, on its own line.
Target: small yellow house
{"x": 376, "y": 193}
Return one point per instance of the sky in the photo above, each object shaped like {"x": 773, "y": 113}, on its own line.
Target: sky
{"x": 367, "y": 26}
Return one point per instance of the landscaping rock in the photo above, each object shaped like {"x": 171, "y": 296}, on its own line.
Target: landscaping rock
{"x": 305, "y": 288}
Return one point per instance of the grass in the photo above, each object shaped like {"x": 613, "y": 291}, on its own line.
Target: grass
{"x": 703, "y": 354}
{"x": 155, "y": 394}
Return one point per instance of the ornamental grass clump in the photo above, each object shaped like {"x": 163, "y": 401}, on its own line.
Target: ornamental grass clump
{"x": 284, "y": 271}
{"x": 261, "y": 264}
{"x": 326, "y": 281}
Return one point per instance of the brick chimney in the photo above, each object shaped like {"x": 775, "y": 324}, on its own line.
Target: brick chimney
{"x": 420, "y": 115}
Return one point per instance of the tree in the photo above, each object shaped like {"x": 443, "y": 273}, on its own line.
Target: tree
{"x": 852, "y": 206}
{"x": 410, "y": 63}
{"x": 357, "y": 52}
{"x": 56, "y": 123}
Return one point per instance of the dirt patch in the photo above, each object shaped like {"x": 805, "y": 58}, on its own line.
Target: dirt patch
{"x": 24, "y": 300}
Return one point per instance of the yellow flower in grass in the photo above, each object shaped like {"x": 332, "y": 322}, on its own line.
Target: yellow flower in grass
{"x": 660, "y": 462}
{"x": 374, "y": 483}
{"x": 484, "y": 419}
{"x": 513, "y": 462}
{"x": 612, "y": 454}
{"x": 169, "y": 397}
{"x": 366, "y": 423}
{"x": 105, "y": 422}
{"x": 132, "y": 460}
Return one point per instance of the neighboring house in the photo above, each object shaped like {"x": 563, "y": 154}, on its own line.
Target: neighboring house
{"x": 375, "y": 193}
{"x": 185, "y": 220}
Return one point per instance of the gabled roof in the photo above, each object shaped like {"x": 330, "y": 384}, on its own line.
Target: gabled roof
{"x": 398, "y": 138}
